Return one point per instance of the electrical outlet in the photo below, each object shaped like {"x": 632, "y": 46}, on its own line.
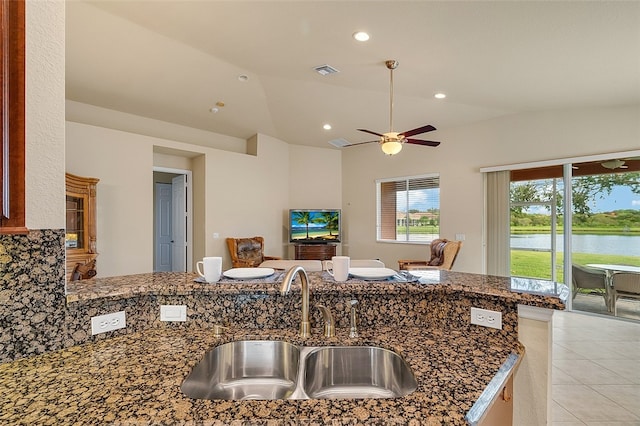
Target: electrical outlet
{"x": 486, "y": 318}
{"x": 108, "y": 322}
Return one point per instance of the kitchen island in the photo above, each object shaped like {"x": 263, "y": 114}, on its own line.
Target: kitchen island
{"x": 133, "y": 375}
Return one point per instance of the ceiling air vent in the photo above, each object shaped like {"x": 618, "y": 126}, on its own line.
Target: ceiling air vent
{"x": 325, "y": 69}
{"x": 339, "y": 143}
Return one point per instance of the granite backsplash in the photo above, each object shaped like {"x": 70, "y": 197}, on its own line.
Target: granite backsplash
{"x": 32, "y": 294}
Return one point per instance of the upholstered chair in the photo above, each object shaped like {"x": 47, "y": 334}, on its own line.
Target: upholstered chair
{"x": 247, "y": 252}
{"x": 443, "y": 254}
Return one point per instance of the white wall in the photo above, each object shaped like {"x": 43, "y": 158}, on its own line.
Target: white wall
{"x": 235, "y": 194}
{"x": 45, "y": 109}
{"x": 464, "y": 150}
{"x": 315, "y": 182}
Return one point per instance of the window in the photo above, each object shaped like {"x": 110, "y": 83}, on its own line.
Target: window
{"x": 12, "y": 120}
{"x": 408, "y": 209}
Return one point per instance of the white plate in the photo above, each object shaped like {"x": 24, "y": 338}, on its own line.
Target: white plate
{"x": 372, "y": 273}
{"x": 248, "y": 273}
{"x": 420, "y": 273}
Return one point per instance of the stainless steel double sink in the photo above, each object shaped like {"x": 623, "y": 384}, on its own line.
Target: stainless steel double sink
{"x": 275, "y": 369}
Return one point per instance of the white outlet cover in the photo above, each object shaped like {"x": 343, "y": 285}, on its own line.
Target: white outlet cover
{"x": 108, "y": 322}
{"x": 173, "y": 312}
{"x": 486, "y": 318}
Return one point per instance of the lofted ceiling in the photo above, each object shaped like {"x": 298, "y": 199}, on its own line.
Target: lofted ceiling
{"x": 172, "y": 60}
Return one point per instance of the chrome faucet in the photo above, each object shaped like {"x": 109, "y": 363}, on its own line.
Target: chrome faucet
{"x": 329, "y": 322}
{"x": 353, "y": 331}
{"x": 286, "y": 287}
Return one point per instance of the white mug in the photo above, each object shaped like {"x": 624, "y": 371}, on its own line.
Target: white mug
{"x": 212, "y": 267}
{"x": 338, "y": 268}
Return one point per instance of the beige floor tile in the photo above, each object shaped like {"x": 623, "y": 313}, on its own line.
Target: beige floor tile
{"x": 603, "y": 354}
{"x": 588, "y": 405}
{"x": 593, "y": 349}
{"x": 559, "y": 377}
{"x": 628, "y": 396}
{"x": 627, "y": 368}
{"x": 559, "y": 414}
{"x": 560, "y": 352}
{"x": 589, "y": 372}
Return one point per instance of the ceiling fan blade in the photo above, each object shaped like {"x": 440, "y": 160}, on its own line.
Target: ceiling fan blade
{"x": 423, "y": 129}
{"x": 369, "y": 131}
{"x": 423, "y": 142}
{"x": 361, "y": 143}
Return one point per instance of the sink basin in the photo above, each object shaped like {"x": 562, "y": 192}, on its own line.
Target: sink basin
{"x": 266, "y": 369}
{"x": 356, "y": 372}
{"x": 249, "y": 369}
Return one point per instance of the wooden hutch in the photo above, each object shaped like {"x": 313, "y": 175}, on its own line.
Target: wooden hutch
{"x": 80, "y": 236}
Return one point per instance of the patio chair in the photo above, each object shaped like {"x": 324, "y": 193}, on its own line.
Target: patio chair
{"x": 443, "y": 255}
{"x": 584, "y": 278}
{"x": 625, "y": 285}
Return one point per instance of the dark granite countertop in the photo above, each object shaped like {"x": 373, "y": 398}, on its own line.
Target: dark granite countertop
{"x": 526, "y": 291}
{"x": 136, "y": 378}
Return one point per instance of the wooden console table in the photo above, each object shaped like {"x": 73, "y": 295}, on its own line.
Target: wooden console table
{"x": 315, "y": 251}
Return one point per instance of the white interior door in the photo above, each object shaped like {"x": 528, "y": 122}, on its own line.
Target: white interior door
{"x": 163, "y": 227}
{"x": 179, "y": 223}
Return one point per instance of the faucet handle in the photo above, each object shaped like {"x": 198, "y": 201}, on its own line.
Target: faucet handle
{"x": 329, "y": 322}
{"x": 217, "y": 330}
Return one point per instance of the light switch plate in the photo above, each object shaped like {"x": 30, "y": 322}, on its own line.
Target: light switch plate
{"x": 173, "y": 312}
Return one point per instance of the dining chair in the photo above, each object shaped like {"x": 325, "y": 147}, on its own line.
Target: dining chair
{"x": 247, "y": 252}
{"x": 595, "y": 280}
{"x": 625, "y": 285}
{"x": 443, "y": 254}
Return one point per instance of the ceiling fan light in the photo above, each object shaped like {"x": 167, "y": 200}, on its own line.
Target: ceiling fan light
{"x": 391, "y": 147}
{"x": 613, "y": 164}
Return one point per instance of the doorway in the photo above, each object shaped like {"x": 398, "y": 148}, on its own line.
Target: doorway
{"x": 601, "y": 233}
{"x": 172, "y": 220}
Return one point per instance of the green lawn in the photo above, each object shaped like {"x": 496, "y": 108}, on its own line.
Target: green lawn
{"x": 538, "y": 264}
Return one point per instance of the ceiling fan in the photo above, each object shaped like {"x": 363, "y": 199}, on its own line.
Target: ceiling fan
{"x": 391, "y": 142}
{"x": 614, "y": 164}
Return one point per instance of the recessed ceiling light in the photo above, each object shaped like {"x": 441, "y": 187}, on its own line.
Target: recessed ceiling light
{"x": 440, "y": 96}
{"x": 361, "y": 36}
{"x": 243, "y": 77}
{"x": 327, "y": 126}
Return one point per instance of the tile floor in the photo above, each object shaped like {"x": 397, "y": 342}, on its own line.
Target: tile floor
{"x": 596, "y": 371}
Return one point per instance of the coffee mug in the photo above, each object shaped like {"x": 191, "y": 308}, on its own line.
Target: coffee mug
{"x": 210, "y": 268}
{"x": 338, "y": 268}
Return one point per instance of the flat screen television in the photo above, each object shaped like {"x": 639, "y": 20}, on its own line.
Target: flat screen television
{"x": 309, "y": 226}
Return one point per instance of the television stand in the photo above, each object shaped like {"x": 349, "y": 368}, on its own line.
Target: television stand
{"x": 315, "y": 251}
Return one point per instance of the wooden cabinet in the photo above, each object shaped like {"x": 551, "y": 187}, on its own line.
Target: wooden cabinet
{"x": 315, "y": 251}
{"x": 80, "y": 235}
{"x": 500, "y": 413}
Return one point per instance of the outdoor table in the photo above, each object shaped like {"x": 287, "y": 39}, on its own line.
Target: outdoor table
{"x": 610, "y": 269}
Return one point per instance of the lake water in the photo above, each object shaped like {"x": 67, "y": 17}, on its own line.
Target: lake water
{"x": 606, "y": 244}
